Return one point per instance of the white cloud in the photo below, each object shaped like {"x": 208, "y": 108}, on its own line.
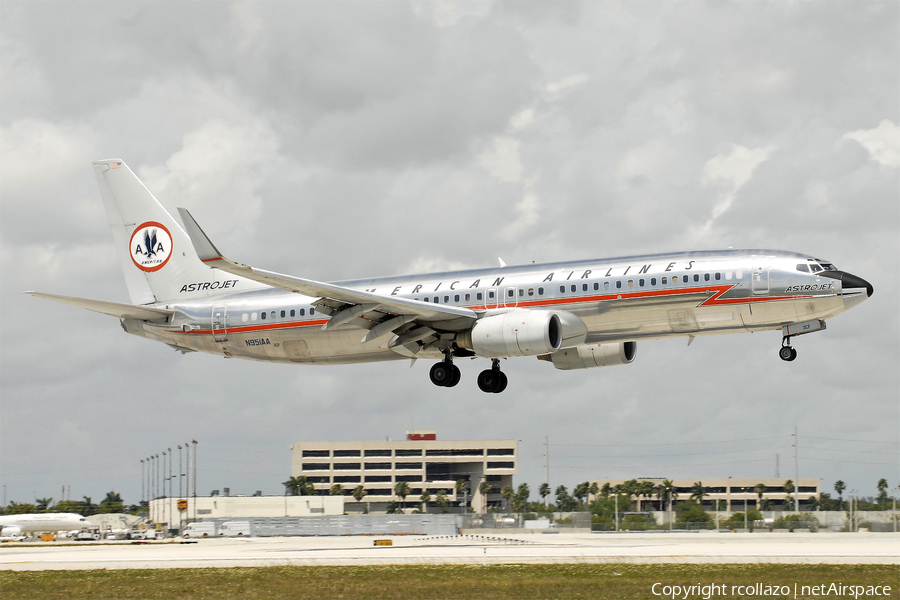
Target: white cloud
{"x": 883, "y": 142}
{"x": 445, "y": 13}
{"x": 556, "y": 88}
{"x": 732, "y": 171}
{"x": 502, "y": 160}
{"x": 528, "y": 211}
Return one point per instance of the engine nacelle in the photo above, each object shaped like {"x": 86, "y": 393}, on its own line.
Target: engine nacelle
{"x": 593, "y": 355}
{"x": 514, "y": 333}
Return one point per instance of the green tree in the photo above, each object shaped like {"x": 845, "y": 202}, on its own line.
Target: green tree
{"x": 606, "y": 490}
{"x": 299, "y": 486}
{"x": 43, "y": 504}
{"x": 336, "y": 490}
{"x": 88, "y": 507}
{"x": 462, "y": 486}
{"x": 112, "y": 503}
{"x": 789, "y": 490}
{"x": 23, "y": 508}
{"x": 645, "y": 489}
{"x": 581, "y": 492}
{"x": 882, "y": 492}
{"x": 442, "y": 500}
{"x": 359, "y": 492}
{"x": 485, "y": 488}
{"x": 507, "y": 493}
{"x": 544, "y": 491}
{"x": 425, "y": 498}
{"x": 760, "y": 489}
{"x": 665, "y": 493}
{"x": 402, "y": 490}
{"x": 593, "y": 490}
{"x": 393, "y": 508}
{"x": 839, "y": 487}
{"x": 698, "y": 492}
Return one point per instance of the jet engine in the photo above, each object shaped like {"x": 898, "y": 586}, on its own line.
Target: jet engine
{"x": 514, "y": 333}
{"x": 589, "y": 356}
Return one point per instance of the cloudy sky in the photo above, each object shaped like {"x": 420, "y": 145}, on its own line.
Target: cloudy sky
{"x": 340, "y": 140}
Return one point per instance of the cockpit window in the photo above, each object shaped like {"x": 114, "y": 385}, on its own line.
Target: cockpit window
{"x": 828, "y": 266}
{"x": 803, "y": 268}
{"x": 813, "y": 267}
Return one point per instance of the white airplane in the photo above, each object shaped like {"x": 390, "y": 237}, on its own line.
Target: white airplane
{"x": 15, "y": 525}
{"x": 575, "y": 315}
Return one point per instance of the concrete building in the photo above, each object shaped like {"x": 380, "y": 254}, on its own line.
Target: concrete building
{"x": 421, "y": 460}
{"x": 732, "y": 491}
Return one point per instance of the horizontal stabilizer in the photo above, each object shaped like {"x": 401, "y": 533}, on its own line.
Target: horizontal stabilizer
{"x": 113, "y": 309}
{"x": 210, "y": 255}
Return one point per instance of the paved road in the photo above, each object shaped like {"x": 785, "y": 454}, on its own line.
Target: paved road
{"x": 703, "y": 547}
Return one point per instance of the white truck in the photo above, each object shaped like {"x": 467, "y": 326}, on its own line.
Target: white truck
{"x": 199, "y": 529}
{"x": 235, "y": 529}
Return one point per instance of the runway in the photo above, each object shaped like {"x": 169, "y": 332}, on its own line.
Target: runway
{"x": 702, "y": 547}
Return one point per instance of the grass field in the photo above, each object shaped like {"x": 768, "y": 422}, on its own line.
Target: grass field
{"x": 409, "y": 582}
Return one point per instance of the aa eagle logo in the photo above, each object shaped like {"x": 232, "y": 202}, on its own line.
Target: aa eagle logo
{"x": 151, "y": 246}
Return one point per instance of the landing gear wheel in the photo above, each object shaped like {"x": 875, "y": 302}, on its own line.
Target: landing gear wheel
{"x": 503, "y": 382}
{"x": 787, "y": 353}
{"x": 492, "y": 381}
{"x": 454, "y": 379}
{"x": 441, "y": 374}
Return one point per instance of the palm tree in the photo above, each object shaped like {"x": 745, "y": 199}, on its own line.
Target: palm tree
{"x": 698, "y": 492}
{"x": 646, "y": 489}
{"x": 485, "y": 488}
{"x": 839, "y": 487}
{"x": 359, "y": 492}
{"x": 581, "y": 491}
{"x": 561, "y": 495}
{"x": 606, "y": 490}
{"x": 882, "y": 491}
{"x": 593, "y": 490}
{"x": 520, "y": 499}
{"x": 299, "y": 486}
{"x": 441, "y": 500}
{"x": 544, "y": 491}
{"x": 44, "y": 503}
{"x": 336, "y": 490}
{"x": 788, "y": 489}
{"x": 401, "y": 489}
{"x": 87, "y": 507}
{"x": 425, "y": 498}
{"x": 461, "y": 486}
{"x": 507, "y": 493}
{"x": 760, "y": 489}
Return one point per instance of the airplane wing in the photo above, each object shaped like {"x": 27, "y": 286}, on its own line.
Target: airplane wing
{"x": 347, "y": 302}
{"x": 114, "y": 309}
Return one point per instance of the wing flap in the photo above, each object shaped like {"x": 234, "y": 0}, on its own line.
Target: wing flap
{"x": 113, "y": 309}
{"x": 210, "y": 255}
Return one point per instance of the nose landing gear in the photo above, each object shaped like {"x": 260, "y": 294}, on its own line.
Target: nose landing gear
{"x": 787, "y": 353}
{"x": 493, "y": 380}
{"x": 445, "y": 373}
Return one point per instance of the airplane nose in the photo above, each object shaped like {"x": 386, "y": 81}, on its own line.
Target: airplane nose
{"x": 852, "y": 281}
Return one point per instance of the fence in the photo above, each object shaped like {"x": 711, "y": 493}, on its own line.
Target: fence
{"x": 349, "y": 525}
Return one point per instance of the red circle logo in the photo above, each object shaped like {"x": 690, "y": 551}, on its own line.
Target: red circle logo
{"x": 150, "y": 246}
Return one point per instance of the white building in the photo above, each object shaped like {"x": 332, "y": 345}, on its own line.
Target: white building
{"x": 165, "y": 510}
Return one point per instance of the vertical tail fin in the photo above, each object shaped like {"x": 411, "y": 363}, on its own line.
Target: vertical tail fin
{"x": 157, "y": 256}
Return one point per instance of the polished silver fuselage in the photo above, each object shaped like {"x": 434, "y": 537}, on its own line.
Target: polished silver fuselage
{"x": 619, "y": 299}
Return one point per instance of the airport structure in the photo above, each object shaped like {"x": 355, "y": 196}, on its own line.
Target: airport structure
{"x": 167, "y": 512}
{"x": 421, "y": 460}
{"x": 730, "y": 493}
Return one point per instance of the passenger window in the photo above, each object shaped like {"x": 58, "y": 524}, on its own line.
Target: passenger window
{"x": 696, "y": 277}
{"x": 244, "y": 318}
{"x": 293, "y": 313}
{"x": 665, "y": 280}
{"x": 491, "y": 295}
{"x": 641, "y": 282}
{"x": 252, "y": 316}
{"x": 584, "y": 287}
{"x": 426, "y": 298}
{"x": 653, "y": 281}
{"x": 596, "y": 286}
{"x": 803, "y": 268}
{"x": 446, "y": 299}
{"x": 531, "y": 291}
{"x": 631, "y": 283}
{"x": 727, "y": 275}
{"x": 574, "y": 287}
{"x": 718, "y": 276}
{"x": 706, "y": 277}
{"x": 562, "y": 289}
{"x": 738, "y": 274}
{"x": 479, "y": 296}
{"x": 456, "y": 298}
{"x": 605, "y": 285}
{"x": 263, "y": 315}
{"x": 302, "y": 312}
{"x": 312, "y": 311}
{"x": 282, "y": 314}
{"x": 468, "y": 297}
{"x": 521, "y": 292}
{"x": 675, "y": 280}
{"x": 437, "y": 300}
{"x": 684, "y": 278}
{"x": 540, "y": 291}
{"x": 618, "y": 285}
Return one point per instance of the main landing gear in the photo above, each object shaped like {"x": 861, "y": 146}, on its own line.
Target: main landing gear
{"x": 786, "y": 352}
{"x": 493, "y": 380}
{"x": 445, "y": 373}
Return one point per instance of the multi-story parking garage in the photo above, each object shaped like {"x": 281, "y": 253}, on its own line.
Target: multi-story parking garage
{"x": 421, "y": 460}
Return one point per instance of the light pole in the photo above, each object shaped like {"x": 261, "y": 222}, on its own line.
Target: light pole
{"x": 169, "y": 501}
{"x": 194, "y": 442}
{"x": 187, "y": 475}
{"x": 669, "y": 499}
{"x": 744, "y": 491}
{"x": 142, "y": 480}
{"x": 617, "y": 511}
